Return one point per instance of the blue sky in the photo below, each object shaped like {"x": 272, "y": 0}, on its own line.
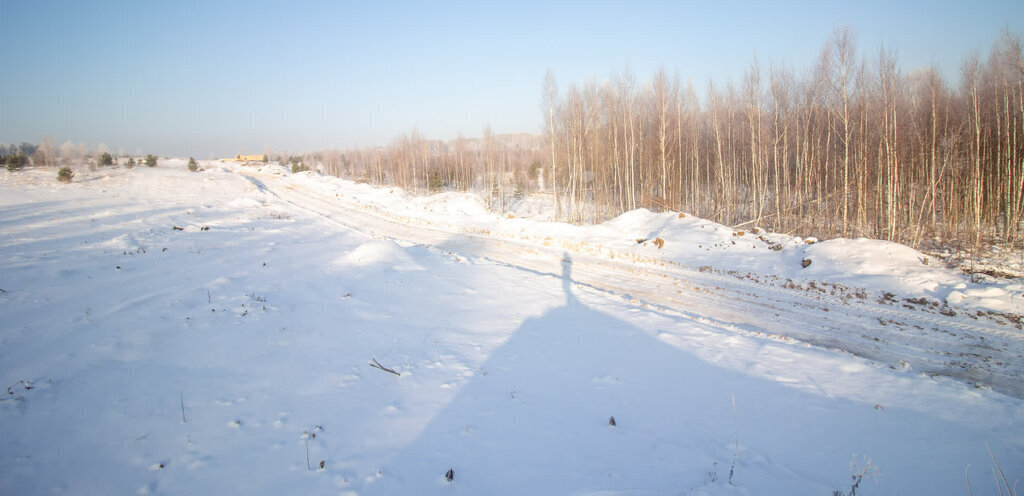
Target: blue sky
{"x": 198, "y": 77}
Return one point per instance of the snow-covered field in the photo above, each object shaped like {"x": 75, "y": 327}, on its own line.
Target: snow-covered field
{"x": 168, "y": 332}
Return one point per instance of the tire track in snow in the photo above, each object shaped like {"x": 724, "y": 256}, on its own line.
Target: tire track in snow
{"x": 977, "y": 351}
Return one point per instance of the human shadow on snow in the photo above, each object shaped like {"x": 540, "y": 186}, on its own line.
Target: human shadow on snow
{"x": 534, "y": 418}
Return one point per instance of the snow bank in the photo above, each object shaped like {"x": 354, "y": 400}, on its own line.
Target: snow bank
{"x": 876, "y": 266}
{"x": 380, "y": 255}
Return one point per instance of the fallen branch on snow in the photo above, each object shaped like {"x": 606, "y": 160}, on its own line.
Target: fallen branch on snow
{"x": 377, "y": 365}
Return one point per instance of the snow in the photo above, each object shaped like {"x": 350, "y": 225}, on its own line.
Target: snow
{"x": 213, "y": 358}
{"x": 380, "y": 255}
{"x": 879, "y": 266}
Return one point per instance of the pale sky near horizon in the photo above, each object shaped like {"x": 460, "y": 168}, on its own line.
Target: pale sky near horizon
{"x": 206, "y": 77}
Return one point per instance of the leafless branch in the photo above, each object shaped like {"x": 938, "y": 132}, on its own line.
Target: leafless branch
{"x": 377, "y": 365}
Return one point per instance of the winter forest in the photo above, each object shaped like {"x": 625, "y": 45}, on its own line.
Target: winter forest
{"x": 854, "y": 146}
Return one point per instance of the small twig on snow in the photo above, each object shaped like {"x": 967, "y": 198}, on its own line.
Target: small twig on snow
{"x": 11, "y": 391}
{"x": 736, "y": 454}
{"x": 857, "y": 477}
{"x": 182, "y": 396}
{"x": 377, "y": 364}
{"x": 1000, "y": 471}
{"x": 967, "y": 475}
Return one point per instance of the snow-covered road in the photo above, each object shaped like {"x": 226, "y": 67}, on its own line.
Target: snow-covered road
{"x": 898, "y": 331}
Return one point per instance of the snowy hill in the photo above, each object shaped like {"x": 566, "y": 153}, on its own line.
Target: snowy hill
{"x": 168, "y": 332}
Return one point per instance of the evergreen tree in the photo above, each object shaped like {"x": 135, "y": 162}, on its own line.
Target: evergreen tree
{"x": 65, "y": 174}
{"x": 15, "y": 161}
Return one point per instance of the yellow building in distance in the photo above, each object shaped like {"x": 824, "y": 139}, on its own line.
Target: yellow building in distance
{"x": 246, "y": 158}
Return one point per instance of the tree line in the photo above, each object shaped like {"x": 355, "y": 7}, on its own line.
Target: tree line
{"x": 503, "y": 167}
{"x": 47, "y": 154}
{"x": 853, "y": 146}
